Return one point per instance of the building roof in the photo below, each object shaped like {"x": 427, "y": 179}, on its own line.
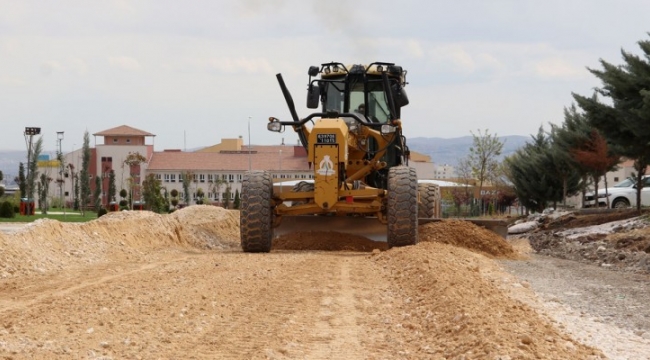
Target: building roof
{"x": 123, "y": 130}
{"x": 285, "y": 158}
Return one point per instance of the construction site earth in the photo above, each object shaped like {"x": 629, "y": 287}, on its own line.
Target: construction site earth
{"x": 138, "y": 285}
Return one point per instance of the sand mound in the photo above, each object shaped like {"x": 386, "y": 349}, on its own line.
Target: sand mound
{"x": 455, "y": 311}
{"x": 49, "y": 245}
{"x": 467, "y": 235}
{"x": 326, "y": 241}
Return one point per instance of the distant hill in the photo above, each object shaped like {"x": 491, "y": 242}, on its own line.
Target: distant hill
{"x": 449, "y": 151}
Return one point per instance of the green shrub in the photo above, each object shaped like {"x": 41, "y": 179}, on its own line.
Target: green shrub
{"x": 7, "y": 210}
{"x": 102, "y": 211}
{"x": 123, "y": 203}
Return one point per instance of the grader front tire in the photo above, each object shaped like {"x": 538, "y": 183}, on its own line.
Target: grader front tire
{"x": 256, "y": 216}
{"x": 402, "y": 206}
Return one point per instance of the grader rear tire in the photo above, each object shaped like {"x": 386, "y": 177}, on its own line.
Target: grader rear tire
{"x": 402, "y": 206}
{"x": 428, "y": 201}
{"x": 256, "y": 216}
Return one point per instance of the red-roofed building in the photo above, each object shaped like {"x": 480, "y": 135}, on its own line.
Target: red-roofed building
{"x": 110, "y": 153}
{"x": 218, "y": 170}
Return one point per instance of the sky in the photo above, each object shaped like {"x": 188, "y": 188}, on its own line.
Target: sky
{"x": 194, "y": 72}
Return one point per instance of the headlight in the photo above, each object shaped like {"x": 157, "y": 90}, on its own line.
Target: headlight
{"x": 387, "y": 129}
{"x": 600, "y": 196}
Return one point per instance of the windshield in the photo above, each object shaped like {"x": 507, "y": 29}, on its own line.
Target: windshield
{"x": 376, "y": 108}
{"x": 625, "y": 183}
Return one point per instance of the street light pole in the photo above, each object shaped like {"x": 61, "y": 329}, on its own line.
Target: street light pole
{"x": 59, "y": 138}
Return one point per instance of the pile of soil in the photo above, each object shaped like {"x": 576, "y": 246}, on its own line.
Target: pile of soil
{"x": 469, "y": 236}
{"x": 459, "y": 314}
{"x": 49, "y": 245}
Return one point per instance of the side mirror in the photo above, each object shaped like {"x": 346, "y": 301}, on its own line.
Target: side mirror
{"x": 399, "y": 94}
{"x": 313, "y": 97}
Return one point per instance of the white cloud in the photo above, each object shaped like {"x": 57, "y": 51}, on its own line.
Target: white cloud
{"x": 414, "y": 48}
{"x": 242, "y": 64}
{"x": 558, "y": 68}
{"x": 124, "y": 62}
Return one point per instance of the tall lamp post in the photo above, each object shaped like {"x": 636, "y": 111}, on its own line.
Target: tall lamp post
{"x": 29, "y": 135}
{"x": 59, "y": 139}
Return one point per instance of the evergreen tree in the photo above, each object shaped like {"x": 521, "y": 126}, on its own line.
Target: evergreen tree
{"x": 112, "y": 190}
{"x": 153, "y": 197}
{"x": 43, "y": 190}
{"x": 33, "y": 168}
{"x": 75, "y": 180}
{"x": 533, "y": 174}
{"x": 22, "y": 180}
{"x": 624, "y": 119}
{"x": 97, "y": 194}
{"x": 226, "y": 200}
{"x": 84, "y": 175}
{"x": 187, "y": 179}
{"x": 237, "y": 202}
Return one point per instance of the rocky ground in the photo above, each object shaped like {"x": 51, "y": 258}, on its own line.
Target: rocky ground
{"x": 137, "y": 285}
{"x": 619, "y": 239}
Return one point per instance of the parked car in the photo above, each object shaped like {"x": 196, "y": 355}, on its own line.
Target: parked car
{"x": 621, "y": 195}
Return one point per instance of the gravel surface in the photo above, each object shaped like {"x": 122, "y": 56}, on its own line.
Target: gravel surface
{"x": 602, "y": 308}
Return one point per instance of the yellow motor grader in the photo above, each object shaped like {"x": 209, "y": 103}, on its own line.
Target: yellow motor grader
{"x": 362, "y": 183}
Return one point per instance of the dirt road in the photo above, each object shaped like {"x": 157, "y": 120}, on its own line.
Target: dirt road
{"x": 142, "y": 286}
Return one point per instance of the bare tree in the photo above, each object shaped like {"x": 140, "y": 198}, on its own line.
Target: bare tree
{"x": 483, "y": 157}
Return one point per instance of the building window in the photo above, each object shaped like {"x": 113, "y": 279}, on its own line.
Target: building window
{"x": 167, "y": 178}
{"x": 616, "y": 179}
{"x": 128, "y": 141}
{"x": 231, "y": 178}
{"x": 210, "y": 178}
{"x": 114, "y": 141}
{"x": 202, "y": 178}
{"x": 158, "y": 177}
{"x": 172, "y": 177}
{"x": 240, "y": 177}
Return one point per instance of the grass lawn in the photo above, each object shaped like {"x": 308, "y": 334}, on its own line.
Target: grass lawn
{"x": 70, "y": 216}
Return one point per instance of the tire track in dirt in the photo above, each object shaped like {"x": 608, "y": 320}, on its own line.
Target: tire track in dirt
{"x": 337, "y": 326}
{"x": 59, "y": 287}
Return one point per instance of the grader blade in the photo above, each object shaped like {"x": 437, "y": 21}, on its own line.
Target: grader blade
{"x": 368, "y": 227}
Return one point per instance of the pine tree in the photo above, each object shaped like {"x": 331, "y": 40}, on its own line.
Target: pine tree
{"x": 22, "y": 180}
{"x": 112, "y": 190}
{"x": 624, "y": 123}
{"x": 97, "y": 194}
{"x": 84, "y": 175}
